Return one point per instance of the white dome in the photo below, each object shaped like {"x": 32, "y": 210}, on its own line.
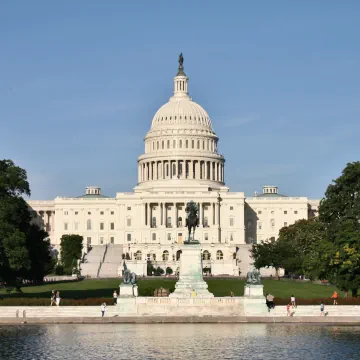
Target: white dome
{"x": 183, "y": 112}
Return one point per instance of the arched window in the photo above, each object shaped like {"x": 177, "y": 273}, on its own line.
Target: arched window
{"x": 186, "y": 143}
{"x": 168, "y": 144}
{"x": 168, "y": 224}
{"x": 180, "y": 144}
{"x": 169, "y": 237}
{"x": 206, "y": 255}
{"x": 165, "y": 255}
{"x": 231, "y": 237}
{"x": 178, "y": 255}
{"x": 138, "y": 255}
{"x": 153, "y": 223}
{"x": 219, "y": 255}
{"x": 128, "y": 221}
{"x": 88, "y": 225}
{"x": 198, "y": 144}
{"x": 192, "y": 144}
{"x": 174, "y": 170}
{"x": 272, "y": 239}
{"x": 157, "y": 145}
{"x": 162, "y": 144}
{"x": 272, "y": 222}
{"x": 174, "y": 144}
{"x": 231, "y": 221}
{"x": 203, "y": 145}
{"x": 180, "y": 221}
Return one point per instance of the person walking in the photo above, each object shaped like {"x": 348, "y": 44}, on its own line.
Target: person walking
{"x": 293, "y": 302}
{"x": 335, "y": 297}
{"x": 103, "y": 307}
{"x": 322, "y": 308}
{"x": 115, "y": 296}
{"x": 57, "y": 299}
{"x": 288, "y": 309}
{"x": 52, "y": 299}
{"x": 193, "y": 293}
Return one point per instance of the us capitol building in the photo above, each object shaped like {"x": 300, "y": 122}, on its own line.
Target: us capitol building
{"x": 180, "y": 163}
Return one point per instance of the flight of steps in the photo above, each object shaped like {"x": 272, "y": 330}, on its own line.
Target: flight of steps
{"x": 56, "y": 311}
{"x": 314, "y": 310}
{"x": 112, "y": 261}
{"x": 92, "y": 260}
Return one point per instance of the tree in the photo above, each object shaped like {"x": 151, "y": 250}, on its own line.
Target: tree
{"x": 309, "y": 248}
{"x": 70, "y": 251}
{"x": 270, "y": 254}
{"x": 169, "y": 270}
{"x": 159, "y": 271}
{"x": 24, "y": 248}
{"x": 340, "y": 212}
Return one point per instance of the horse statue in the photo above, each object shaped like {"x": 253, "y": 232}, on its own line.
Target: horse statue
{"x": 128, "y": 276}
{"x": 192, "y": 219}
{"x": 253, "y": 277}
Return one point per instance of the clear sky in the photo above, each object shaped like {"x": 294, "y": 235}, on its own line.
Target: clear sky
{"x": 81, "y": 80}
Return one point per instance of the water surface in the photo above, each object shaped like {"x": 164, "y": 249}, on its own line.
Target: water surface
{"x": 179, "y": 341}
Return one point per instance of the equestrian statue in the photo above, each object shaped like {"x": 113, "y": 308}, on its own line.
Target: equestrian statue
{"x": 192, "y": 219}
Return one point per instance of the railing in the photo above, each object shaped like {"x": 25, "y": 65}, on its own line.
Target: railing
{"x": 102, "y": 261}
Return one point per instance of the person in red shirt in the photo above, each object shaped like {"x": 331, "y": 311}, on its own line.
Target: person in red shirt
{"x": 335, "y": 297}
{"x": 288, "y": 309}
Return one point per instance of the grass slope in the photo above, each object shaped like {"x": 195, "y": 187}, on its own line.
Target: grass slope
{"x": 219, "y": 287}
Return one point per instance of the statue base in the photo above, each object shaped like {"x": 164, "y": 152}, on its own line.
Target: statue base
{"x": 254, "y": 291}
{"x": 128, "y": 290}
{"x": 191, "y": 282}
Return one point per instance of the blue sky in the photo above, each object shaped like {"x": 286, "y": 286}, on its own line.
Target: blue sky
{"x": 81, "y": 80}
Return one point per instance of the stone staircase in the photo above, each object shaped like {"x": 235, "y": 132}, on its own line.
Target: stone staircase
{"x": 112, "y": 261}
{"x": 92, "y": 261}
{"x": 56, "y": 311}
{"x": 314, "y": 310}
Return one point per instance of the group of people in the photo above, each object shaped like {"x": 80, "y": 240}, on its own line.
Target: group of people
{"x": 55, "y": 298}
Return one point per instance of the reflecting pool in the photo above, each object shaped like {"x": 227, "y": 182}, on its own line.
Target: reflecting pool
{"x": 179, "y": 341}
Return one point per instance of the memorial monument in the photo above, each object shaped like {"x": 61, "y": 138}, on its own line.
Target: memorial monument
{"x": 191, "y": 282}
{"x": 128, "y": 288}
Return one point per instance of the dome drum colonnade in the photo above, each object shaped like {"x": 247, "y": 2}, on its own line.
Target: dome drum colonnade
{"x": 181, "y": 143}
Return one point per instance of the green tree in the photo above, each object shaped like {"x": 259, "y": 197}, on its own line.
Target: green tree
{"x": 24, "y": 250}
{"x": 271, "y": 254}
{"x": 309, "y": 249}
{"x": 169, "y": 270}
{"x": 70, "y": 251}
{"x": 340, "y": 212}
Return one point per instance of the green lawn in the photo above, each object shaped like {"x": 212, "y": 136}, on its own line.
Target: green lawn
{"x": 219, "y": 287}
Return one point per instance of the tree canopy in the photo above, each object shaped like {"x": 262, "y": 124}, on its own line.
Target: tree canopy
{"x": 70, "y": 251}
{"x": 340, "y": 212}
{"x": 24, "y": 250}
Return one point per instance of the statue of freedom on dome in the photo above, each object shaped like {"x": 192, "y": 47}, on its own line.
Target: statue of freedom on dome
{"x": 192, "y": 219}
{"x": 181, "y": 60}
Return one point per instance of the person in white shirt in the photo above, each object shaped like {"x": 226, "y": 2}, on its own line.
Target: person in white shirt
{"x": 293, "y": 302}
{"x": 115, "y": 296}
{"x": 103, "y": 307}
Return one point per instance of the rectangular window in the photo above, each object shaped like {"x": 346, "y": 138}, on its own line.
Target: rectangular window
{"x": 231, "y": 221}
{"x": 101, "y": 226}
{"x": 112, "y": 240}
{"x": 112, "y": 226}
{"x": 65, "y": 226}
{"x": 101, "y": 240}
{"x": 285, "y": 212}
{"x": 128, "y": 222}
{"x": 66, "y": 213}
{"x": 129, "y": 207}
{"x": 88, "y": 240}
{"x": 76, "y": 212}
{"x": 285, "y": 223}
{"x": 154, "y": 236}
{"x": 101, "y": 213}
{"x": 259, "y": 212}
{"x": 128, "y": 237}
{"x": 295, "y": 212}
{"x": 206, "y": 236}
{"x": 76, "y": 226}
{"x": 169, "y": 237}
{"x": 112, "y": 213}
{"x": 231, "y": 208}
{"x": 259, "y": 226}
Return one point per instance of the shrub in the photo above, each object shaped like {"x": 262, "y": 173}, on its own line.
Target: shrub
{"x": 169, "y": 270}
{"x": 159, "y": 271}
{"x": 59, "y": 270}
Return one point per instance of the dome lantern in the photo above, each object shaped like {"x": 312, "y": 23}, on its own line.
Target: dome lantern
{"x": 181, "y": 81}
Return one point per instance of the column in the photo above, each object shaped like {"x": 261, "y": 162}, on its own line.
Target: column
{"x": 176, "y": 215}
{"x": 151, "y": 170}
{"x": 183, "y": 167}
{"x": 156, "y": 170}
{"x": 213, "y": 213}
{"x": 139, "y": 173}
{"x": 176, "y": 169}
{"x": 200, "y": 215}
{"x": 223, "y": 173}
{"x": 145, "y": 213}
{"x": 52, "y": 220}
{"x": 149, "y": 215}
